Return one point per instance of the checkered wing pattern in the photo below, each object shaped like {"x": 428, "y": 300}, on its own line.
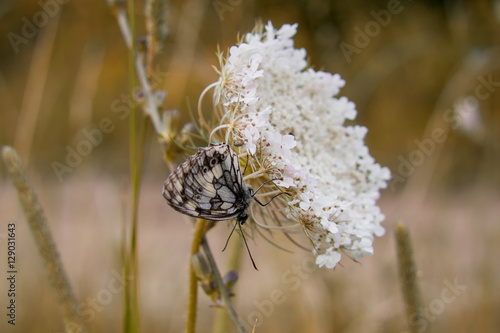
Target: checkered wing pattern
{"x": 209, "y": 185}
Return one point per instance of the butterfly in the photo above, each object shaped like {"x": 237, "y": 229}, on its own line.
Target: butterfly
{"x": 210, "y": 185}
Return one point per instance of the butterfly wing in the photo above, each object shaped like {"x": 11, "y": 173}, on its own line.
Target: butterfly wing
{"x": 208, "y": 185}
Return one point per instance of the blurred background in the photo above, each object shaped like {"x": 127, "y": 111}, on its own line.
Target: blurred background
{"x": 425, "y": 76}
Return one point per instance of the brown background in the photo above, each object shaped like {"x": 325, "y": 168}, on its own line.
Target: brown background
{"x": 66, "y": 77}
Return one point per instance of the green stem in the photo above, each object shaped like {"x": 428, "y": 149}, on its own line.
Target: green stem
{"x": 131, "y": 319}
{"x": 199, "y": 231}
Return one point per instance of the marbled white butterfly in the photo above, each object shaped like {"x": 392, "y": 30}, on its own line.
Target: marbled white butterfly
{"x": 210, "y": 185}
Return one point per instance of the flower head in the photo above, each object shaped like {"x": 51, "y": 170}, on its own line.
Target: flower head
{"x": 289, "y": 123}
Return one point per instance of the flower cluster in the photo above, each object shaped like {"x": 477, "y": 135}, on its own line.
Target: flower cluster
{"x": 286, "y": 119}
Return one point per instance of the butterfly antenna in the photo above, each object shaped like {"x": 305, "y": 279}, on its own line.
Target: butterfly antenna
{"x": 269, "y": 201}
{"x": 245, "y": 240}
{"x": 262, "y": 185}
{"x": 227, "y": 242}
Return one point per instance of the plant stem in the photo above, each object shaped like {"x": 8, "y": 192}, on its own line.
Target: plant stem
{"x": 221, "y": 321}
{"x": 135, "y": 67}
{"x": 131, "y": 320}
{"x": 199, "y": 231}
{"x": 150, "y": 107}
{"x": 408, "y": 278}
{"x": 45, "y": 244}
{"x": 222, "y": 288}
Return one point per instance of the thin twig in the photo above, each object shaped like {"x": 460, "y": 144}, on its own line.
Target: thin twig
{"x": 199, "y": 231}
{"x": 222, "y": 288}
{"x": 43, "y": 239}
{"x": 150, "y": 107}
{"x": 221, "y": 320}
{"x": 408, "y": 278}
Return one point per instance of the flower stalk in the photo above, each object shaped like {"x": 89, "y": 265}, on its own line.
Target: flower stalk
{"x": 199, "y": 231}
{"x": 221, "y": 321}
{"x": 408, "y": 277}
{"x": 226, "y": 299}
{"x": 43, "y": 239}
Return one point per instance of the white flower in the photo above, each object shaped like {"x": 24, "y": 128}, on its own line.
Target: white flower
{"x": 306, "y": 199}
{"x": 251, "y": 137}
{"x": 329, "y": 259}
{"x": 291, "y": 124}
{"x": 360, "y": 248}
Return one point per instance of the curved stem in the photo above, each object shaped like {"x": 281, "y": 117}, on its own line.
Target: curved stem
{"x": 199, "y": 231}
{"x": 200, "y": 113}
{"x": 221, "y": 321}
{"x": 226, "y": 300}
{"x": 215, "y": 130}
